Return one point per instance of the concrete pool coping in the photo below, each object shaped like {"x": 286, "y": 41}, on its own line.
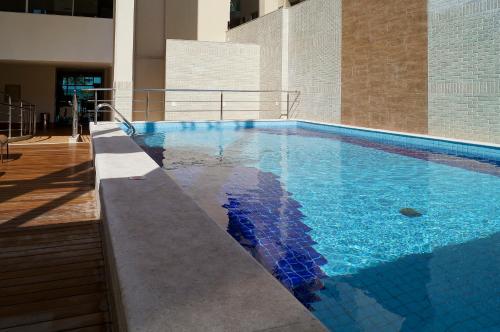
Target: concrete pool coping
{"x": 172, "y": 267}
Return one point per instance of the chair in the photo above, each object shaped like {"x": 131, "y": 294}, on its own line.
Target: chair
{"x": 4, "y": 141}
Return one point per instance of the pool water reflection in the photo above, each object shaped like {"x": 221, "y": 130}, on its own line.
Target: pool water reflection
{"x": 321, "y": 212}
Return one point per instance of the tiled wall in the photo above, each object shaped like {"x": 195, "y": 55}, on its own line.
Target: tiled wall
{"x": 464, "y": 69}
{"x": 267, "y": 32}
{"x": 300, "y": 50}
{"x": 384, "y": 64}
{"x": 314, "y": 58}
{"x": 418, "y": 66}
{"x": 211, "y": 65}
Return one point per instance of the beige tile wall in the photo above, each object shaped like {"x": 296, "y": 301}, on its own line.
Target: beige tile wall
{"x": 384, "y": 64}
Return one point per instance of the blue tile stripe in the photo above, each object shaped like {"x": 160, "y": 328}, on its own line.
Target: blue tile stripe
{"x": 475, "y": 151}
{"x": 454, "y": 148}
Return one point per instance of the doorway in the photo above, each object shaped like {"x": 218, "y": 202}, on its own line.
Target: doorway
{"x": 69, "y": 81}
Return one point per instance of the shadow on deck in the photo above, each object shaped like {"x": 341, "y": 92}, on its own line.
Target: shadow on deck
{"x": 52, "y": 268}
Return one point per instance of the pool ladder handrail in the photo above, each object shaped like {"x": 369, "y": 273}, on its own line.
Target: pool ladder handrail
{"x": 127, "y": 123}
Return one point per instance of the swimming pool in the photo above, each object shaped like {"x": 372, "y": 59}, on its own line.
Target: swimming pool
{"x": 371, "y": 231}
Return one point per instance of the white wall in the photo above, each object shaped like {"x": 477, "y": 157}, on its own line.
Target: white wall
{"x": 123, "y": 64}
{"x": 211, "y": 65}
{"x": 268, "y": 6}
{"x": 38, "y": 84}
{"x": 182, "y": 19}
{"x": 267, "y": 32}
{"x": 149, "y": 58}
{"x": 300, "y": 50}
{"x": 213, "y": 16}
{"x": 53, "y": 38}
{"x": 464, "y": 69}
{"x": 314, "y": 58}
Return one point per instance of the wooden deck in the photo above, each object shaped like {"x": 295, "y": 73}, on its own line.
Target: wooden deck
{"x": 54, "y": 135}
{"x": 52, "y": 274}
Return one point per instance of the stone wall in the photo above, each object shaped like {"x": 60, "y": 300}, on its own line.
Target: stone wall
{"x": 464, "y": 69}
{"x": 211, "y": 66}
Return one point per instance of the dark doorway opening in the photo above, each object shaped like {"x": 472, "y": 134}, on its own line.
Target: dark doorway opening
{"x": 69, "y": 81}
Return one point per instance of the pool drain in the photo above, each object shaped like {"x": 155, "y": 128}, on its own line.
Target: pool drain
{"x": 409, "y": 212}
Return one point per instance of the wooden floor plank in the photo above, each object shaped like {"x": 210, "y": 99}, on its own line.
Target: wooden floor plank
{"x": 52, "y": 294}
{"x": 52, "y": 274}
{"x": 50, "y": 285}
{"x": 51, "y": 269}
{"x": 46, "y": 250}
{"x": 91, "y": 322}
{"x": 45, "y": 247}
{"x": 48, "y": 276}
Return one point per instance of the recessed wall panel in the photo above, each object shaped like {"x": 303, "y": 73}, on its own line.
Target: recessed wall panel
{"x": 384, "y": 64}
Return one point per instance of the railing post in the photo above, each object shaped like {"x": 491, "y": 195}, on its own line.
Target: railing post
{"x": 34, "y": 120}
{"x": 95, "y": 107}
{"x": 75, "y": 115}
{"x": 288, "y": 105}
{"x": 10, "y": 117}
{"x": 164, "y": 105}
{"x": 221, "y": 105}
{"x": 21, "y": 110}
{"x": 29, "y": 119}
{"x": 147, "y": 106}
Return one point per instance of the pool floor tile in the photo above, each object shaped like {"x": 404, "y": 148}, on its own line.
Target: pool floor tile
{"x": 439, "y": 273}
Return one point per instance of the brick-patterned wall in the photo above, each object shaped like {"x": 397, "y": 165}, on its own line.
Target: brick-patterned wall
{"x": 211, "y": 65}
{"x": 314, "y": 59}
{"x": 267, "y": 32}
{"x": 384, "y": 64}
{"x": 464, "y": 69}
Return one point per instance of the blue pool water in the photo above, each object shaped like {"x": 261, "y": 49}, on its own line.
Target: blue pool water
{"x": 320, "y": 207}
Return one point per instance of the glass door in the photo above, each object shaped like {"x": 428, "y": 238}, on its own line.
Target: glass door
{"x": 67, "y": 83}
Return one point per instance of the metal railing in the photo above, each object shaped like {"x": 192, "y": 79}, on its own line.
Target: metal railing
{"x": 162, "y": 102}
{"x": 17, "y": 118}
{"x": 129, "y": 125}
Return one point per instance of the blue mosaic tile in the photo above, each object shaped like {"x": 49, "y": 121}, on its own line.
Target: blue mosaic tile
{"x": 271, "y": 229}
{"x": 480, "y": 152}
{"x": 479, "y": 164}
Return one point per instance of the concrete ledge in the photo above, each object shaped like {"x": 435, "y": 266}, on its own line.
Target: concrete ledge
{"x": 172, "y": 267}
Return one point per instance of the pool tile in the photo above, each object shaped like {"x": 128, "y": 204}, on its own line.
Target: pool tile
{"x": 453, "y": 287}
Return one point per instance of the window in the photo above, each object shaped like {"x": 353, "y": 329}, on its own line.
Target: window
{"x": 89, "y": 8}
{"x": 70, "y": 81}
{"x": 235, "y": 6}
{"x": 74, "y": 82}
{"x": 57, "y": 7}
{"x": 12, "y": 6}
{"x": 94, "y": 8}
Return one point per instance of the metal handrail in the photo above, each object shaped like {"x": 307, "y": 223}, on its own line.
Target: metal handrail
{"x": 127, "y": 123}
{"x": 27, "y": 123}
{"x": 74, "y": 106}
{"x": 290, "y": 102}
{"x": 192, "y": 90}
